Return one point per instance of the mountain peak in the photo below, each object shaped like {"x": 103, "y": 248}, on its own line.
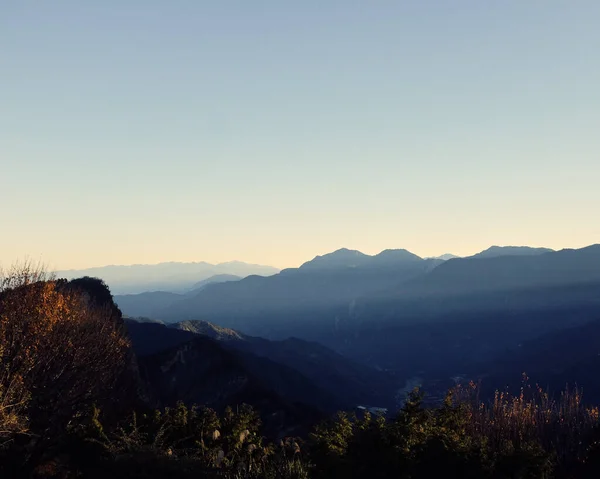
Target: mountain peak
{"x": 209, "y": 329}
{"x": 445, "y": 257}
{"x": 342, "y": 257}
{"x": 495, "y": 251}
{"x": 349, "y": 258}
{"x": 389, "y": 255}
{"x": 346, "y": 251}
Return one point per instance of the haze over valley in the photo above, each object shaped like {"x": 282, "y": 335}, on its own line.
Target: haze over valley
{"x": 430, "y": 319}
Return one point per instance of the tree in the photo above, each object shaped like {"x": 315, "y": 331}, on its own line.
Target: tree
{"x": 60, "y": 351}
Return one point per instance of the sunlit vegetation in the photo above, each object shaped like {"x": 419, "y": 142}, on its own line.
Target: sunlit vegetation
{"x": 60, "y": 352}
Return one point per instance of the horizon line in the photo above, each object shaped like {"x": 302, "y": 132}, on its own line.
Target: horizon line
{"x": 314, "y": 257}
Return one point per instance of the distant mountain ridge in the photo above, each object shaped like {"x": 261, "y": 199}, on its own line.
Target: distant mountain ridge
{"x": 394, "y": 312}
{"x": 147, "y": 304}
{"x": 179, "y": 277}
{"x": 495, "y": 251}
{"x": 330, "y": 280}
{"x": 347, "y": 258}
{"x": 337, "y": 279}
{"x": 496, "y": 271}
{"x": 150, "y": 303}
{"x": 173, "y": 277}
{"x": 445, "y": 257}
{"x": 218, "y": 278}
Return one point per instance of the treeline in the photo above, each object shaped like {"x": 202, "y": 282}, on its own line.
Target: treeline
{"x": 71, "y": 406}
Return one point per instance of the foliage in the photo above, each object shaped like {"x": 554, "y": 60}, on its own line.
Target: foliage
{"x": 524, "y": 436}
{"x": 184, "y": 441}
{"x": 59, "y": 353}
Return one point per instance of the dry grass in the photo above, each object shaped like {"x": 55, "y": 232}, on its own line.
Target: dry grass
{"x": 558, "y": 425}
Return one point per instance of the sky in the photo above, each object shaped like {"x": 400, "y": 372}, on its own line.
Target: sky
{"x": 272, "y": 131}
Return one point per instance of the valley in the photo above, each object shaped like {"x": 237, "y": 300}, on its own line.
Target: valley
{"x": 370, "y": 328}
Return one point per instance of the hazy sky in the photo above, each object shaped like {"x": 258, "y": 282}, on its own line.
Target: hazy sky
{"x": 272, "y": 131}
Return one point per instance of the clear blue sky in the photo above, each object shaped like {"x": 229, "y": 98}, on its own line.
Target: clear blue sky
{"x": 272, "y": 131}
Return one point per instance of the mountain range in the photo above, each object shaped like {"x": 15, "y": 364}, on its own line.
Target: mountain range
{"x": 201, "y": 363}
{"x": 349, "y": 279}
{"x": 170, "y": 277}
{"x": 175, "y": 365}
{"x": 347, "y": 329}
{"x": 419, "y": 319}
{"x": 329, "y": 280}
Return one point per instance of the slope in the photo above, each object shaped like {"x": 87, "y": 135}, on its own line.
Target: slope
{"x": 257, "y": 304}
{"x": 180, "y": 365}
{"x": 352, "y": 382}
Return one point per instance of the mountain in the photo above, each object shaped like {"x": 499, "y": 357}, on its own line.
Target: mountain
{"x": 218, "y": 278}
{"x": 331, "y": 304}
{"x": 481, "y": 273}
{"x": 186, "y": 367}
{"x": 467, "y": 311}
{"x": 343, "y": 257}
{"x": 346, "y": 258}
{"x": 352, "y": 382}
{"x": 329, "y": 281}
{"x": 445, "y": 257}
{"x": 495, "y": 251}
{"x": 338, "y": 279}
{"x": 198, "y": 362}
{"x": 423, "y": 320}
{"x": 326, "y": 380}
{"x": 429, "y": 323}
{"x": 394, "y": 257}
{"x": 570, "y": 356}
{"x": 169, "y": 277}
{"x": 152, "y": 340}
{"x": 150, "y": 304}
{"x": 146, "y": 305}
{"x": 204, "y": 328}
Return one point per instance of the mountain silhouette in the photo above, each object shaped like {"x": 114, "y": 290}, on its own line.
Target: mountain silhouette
{"x": 445, "y": 257}
{"x": 146, "y": 305}
{"x": 494, "y": 251}
{"x": 498, "y": 272}
{"x": 326, "y": 281}
{"x": 346, "y": 258}
{"x": 171, "y": 277}
{"x": 218, "y": 278}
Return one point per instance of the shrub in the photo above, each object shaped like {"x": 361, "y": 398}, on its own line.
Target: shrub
{"x": 59, "y": 353}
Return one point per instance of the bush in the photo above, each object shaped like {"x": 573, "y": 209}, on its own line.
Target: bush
{"x": 523, "y": 436}
{"x": 185, "y": 442}
{"x": 59, "y": 353}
